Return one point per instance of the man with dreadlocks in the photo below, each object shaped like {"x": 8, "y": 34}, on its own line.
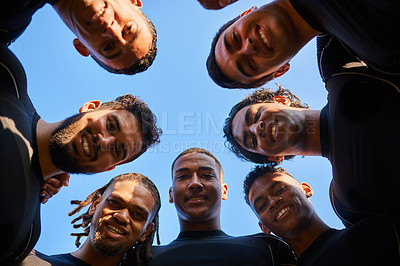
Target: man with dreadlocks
{"x": 120, "y": 225}
{"x": 197, "y": 192}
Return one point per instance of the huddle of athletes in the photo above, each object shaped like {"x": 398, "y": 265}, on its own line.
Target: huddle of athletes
{"x": 358, "y": 131}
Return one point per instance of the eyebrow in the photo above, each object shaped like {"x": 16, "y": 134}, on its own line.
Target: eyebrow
{"x": 246, "y": 121}
{"x": 202, "y": 168}
{"x": 125, "y": 153}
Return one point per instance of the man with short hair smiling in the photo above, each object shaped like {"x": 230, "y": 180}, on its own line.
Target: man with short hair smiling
{"x": 116, "y": 33}
{"x": 33, "y": 151}
{"x": 267, "y": 127}
{"x": 197, "y": 190}
{"x": 283, "y": 207}
{"x": 120, "y": 225}
{"x": 257, "y": 46}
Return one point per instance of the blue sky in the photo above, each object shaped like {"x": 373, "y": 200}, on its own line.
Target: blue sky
{"x": 190, "y": 108}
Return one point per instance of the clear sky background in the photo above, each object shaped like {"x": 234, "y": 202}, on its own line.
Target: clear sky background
{"x": 190, "y": 108}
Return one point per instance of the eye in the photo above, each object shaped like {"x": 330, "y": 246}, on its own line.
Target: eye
{"x": 252, "y": 66}
{"x": 113, "y": 203}
{"x": 281, "y": 190}
{"x": 111, "y": 126}
{"x": 137, "y": 215}
{"x": 254, "y": 141}
{"x": 235, "y": 36}
{"x": 181, "y": 177}
{"x": 126, "y": 30}
{"x": 117, "y": 149}
{"x": 108, "y": 47}
{"x": 207, "y": 176}
{"x": 262, "y": 207}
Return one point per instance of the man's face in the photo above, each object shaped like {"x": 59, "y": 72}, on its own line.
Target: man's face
{"x": 269, "y": 129}
{"x": 115, "y": 31}
{"x": 197, "y": 188}
{"x": 257, "y": 44}
{"x": 121, "y": 217}
{"x": 95, "y": 141}
{"x": 281, "y": 203}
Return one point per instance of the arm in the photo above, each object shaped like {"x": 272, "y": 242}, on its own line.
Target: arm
{"x": 215, "y": 4}
{"x": 52, "y": 186}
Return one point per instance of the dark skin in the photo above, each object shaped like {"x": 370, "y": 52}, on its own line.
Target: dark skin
{"x": 215, "y": 4}
{"x": 52, "y": 186}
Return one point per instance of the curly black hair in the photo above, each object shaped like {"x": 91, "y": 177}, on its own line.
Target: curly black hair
{"x": 258, "y": 96}
{"x": 144, "y": 63}
{"x": 140, "y": 254}
{"x": 147, "y": 120}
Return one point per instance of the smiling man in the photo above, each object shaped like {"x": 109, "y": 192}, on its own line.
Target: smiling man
{"x": 257, "y": 46}
{"x": 283, "y": 207}
{"x": 115, "y": 33}
{"x": 120, "y": 225}
{"x": 33, "y": 151}
{"x": 197, "y": 192}
{"x": 268, "y": 127}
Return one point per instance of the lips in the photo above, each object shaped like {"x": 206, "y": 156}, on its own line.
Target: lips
{"x": 196, "y": 198}
{"x": 88, "y": 147}
{"x": 98, "y": 14}
{"x": 115, "y": 230}
{"x": 281, "y": 213}
{"x": 272, "y": 130}
{"x": 264, "y": 38}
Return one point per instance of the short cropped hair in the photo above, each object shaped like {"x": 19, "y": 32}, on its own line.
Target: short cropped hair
{"x": 258, "y": 96}
{"x": 215, "y": 72}
{"x": 258, "y": 171}
{"x": 196, "y": 150}
{"x": 147, "y": 120}
{"x": 144, "y": 63}
{"x": 140, "y": 254}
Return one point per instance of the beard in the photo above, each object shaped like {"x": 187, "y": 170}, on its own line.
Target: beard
{"x": 61, "y": 151}
{"x": 104, "y": 246}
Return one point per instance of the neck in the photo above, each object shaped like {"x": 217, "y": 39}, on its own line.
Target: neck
{"x": 43, "y": 134}
{"x": 301, "y": 240}
{"x": 186, "y": 225}
{"x": 89, "y": 255}
{"x": 305, "y": 31}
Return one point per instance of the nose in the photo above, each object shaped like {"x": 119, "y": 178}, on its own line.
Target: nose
{"x": 195, "y": 184}
{"x": 112, "y": 30}
{"x": 274, "y": 201}
{"x": 122, "y": 216}
{"x": 249, "y": 47}
{"x": 106, "y": 141}
{"x": 258, "y": 129}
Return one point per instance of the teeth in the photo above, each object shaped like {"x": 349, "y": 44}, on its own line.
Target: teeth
{"x": 199, "y": 198}
{"x": 263, "y": 38}
{"x": 273, "y": 132}
{"x": 114, "y": 230}
{"x": 85, "y": 145}
{"x": 282, "y": 212}
{"x": 98, "y": 14}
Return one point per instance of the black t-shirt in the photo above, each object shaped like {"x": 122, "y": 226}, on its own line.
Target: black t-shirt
{"x": 218, "y": 248}
{"x": 372, "y": 241}
{"x": 368, "y": 27}
{"x": 15, "y": 16}
{"x": 36, "y": 258}
{"x": 21, "y": 176}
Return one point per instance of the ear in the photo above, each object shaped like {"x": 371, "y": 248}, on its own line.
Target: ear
{"x": 282, "y": 100}
{"x": 275, "y": 158}
{"x": 91, "y": 105}
{"x": 95, "y": 202}
{"x": 109, "y": 169}
{"x": 81, "y": 48}
{"x": 248, "y": 11}
{"x": 282, "y": 70}
{"x": 264, "y": 229}
{"x": 137, "y": 3}
{"x": 146, "y": 232}
{"x": 224, "y": 189}
{"x": 307, "y": 190}
{"x": 171, "y": 199}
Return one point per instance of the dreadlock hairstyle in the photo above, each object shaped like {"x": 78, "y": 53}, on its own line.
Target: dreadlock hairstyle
{"x": 140, "y": 254}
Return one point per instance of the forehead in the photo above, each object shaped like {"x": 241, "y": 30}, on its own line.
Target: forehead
{"x": 264, "y": 183}
{"x": 194, "y": 162}
{"x": 132, "y": 192}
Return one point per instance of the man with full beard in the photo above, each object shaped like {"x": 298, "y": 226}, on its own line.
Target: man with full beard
{"x": 120, "y": 225}
{"x": 32, "y": 151}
